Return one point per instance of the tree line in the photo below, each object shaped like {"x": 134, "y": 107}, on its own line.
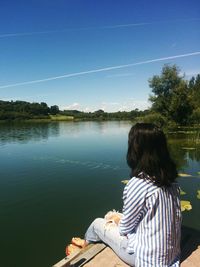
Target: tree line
{"x": 175, "y": 101}
{"x": 22, "y": 110}
{"x": 102, "y": 115}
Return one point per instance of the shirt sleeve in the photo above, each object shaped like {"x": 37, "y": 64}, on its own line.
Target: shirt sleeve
{"x": 134, "y": 207}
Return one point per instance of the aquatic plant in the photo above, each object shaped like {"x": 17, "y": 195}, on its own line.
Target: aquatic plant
{"x": 185, "y": 205}
{"x": 124, "y": 181}
{"x": 198, "y": 194}
{"x": 182, "y": 192}
{"x": 184, "y": 175}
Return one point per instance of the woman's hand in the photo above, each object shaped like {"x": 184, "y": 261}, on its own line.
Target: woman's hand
{"x": 113, "y": 217}
{"x": 116, "y": 218}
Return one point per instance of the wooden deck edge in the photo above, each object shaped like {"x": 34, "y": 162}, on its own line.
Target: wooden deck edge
{"x": 192, "y": 260}
{"x": 66, "y": 261}
{"x": 81, "y": 257}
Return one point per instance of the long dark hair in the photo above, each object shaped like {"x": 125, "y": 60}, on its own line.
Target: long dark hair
{"x": 148, "y": 155}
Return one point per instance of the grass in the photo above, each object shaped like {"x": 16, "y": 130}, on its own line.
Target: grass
{"x": 61, "y": 118}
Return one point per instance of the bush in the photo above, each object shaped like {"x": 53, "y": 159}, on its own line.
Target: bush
{"x": 155, "y": 118}
{"x": 195, "y": 118}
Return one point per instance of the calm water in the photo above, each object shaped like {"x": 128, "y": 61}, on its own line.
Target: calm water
{"x": 55, "y": 178}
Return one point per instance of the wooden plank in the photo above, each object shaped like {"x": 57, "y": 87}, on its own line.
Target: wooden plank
{"x": 82, "y": 256}
{"x": 189, "y": 243}
{"x": 193, "y": 260}
{"x": 87, "y": 255}
{"x": 107, "y": 258}
{"x": 66, "y": 261}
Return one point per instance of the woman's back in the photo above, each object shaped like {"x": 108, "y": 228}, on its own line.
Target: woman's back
{"x": 149, "y": 230}
{"x": 152, "y": 222}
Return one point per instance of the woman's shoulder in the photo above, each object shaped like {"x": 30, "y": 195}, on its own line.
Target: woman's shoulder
{"x": 140, "y": 184}
{"x": 145, "y": 187}
{"x": 136, "y": 181}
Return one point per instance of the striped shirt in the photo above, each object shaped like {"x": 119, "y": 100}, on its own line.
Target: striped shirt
{"x": 152, "y": 223}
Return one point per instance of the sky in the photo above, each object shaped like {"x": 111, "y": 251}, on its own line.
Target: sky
{"x": 94, "y": 54}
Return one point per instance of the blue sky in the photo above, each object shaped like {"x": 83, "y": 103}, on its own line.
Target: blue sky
{"x": 43, "y": 39}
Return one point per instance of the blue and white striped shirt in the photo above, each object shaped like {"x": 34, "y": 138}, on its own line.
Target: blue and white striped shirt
{"x": 152, "y": 222}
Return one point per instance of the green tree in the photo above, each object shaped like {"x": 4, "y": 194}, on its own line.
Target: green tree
{"x": 194, "y": 94}
{"x": 44, "y": 108}
{"x": 180, "y": 107}
{"x": 54, "y": 110}
{"x": 171, "y": 95}
{"x": 194, "y": 87}
{"x": 163, "y": 87}
{"x": 196, "y": 115}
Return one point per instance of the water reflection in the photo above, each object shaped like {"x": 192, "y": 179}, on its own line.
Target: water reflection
{"x": 184, "y": 147}
{"x": 26, "y": 132}
{"x": 77, "y": 129}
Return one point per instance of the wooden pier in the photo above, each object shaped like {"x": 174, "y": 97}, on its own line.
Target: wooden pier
{"x": 100, "y": 255}
{"x": 106, "y": 257}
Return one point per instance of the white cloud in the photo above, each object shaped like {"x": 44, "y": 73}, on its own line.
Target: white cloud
{"x": 127, "y": 105}
{"x": 77, "y": 106}
{"x": 72, "y": 106}
{"x": 133, "y": 104}
{"x": 87, "y": 109}
{"x": 109, "y": 106}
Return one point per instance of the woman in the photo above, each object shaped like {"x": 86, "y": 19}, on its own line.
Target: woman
{"x": 148, "y": 233}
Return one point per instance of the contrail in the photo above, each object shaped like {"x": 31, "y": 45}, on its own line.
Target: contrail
{"x": 100, "y": 70}
{"x": 148, "y": 23}
{"x": 18, "y": 34}
{"x": 23, "y": 34}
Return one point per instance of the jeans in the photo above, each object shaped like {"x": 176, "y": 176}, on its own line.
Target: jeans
{"x": 109, "y": 234}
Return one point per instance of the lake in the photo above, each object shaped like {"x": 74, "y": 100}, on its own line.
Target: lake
{"x": 55, "y": 178}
